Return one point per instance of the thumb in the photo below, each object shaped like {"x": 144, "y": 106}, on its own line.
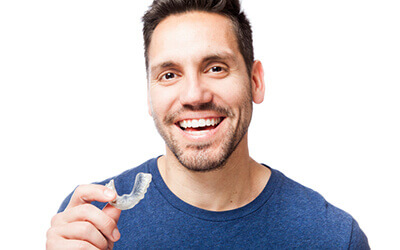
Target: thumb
{"x": 113, "y": 212}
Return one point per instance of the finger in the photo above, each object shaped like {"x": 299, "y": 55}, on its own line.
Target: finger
{"x": 78, "y": 244}
{"x": 87, "y": 212}
{"x": 82, "y": 230}
{"x": 85, "y": 194}
{"x": 113, "y": 213}
{"x": 60, "y": 243}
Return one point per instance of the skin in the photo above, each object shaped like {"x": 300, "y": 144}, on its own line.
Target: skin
{"x": 207, "y": 72}
{"x": 84, "y": 226}
{"x": 187, "y": 77}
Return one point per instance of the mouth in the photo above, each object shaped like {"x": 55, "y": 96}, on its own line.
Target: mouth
{"x": 199, "y": 125}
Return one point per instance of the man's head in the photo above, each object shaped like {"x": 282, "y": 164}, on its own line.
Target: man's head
{"x": 200, "y": 90}
{"x": 161, "y": 9}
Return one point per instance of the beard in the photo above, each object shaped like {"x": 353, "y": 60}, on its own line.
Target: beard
{"x": 201, "y": 157}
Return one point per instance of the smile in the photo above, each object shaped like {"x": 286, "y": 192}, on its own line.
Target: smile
{"x": 199, "y": 123}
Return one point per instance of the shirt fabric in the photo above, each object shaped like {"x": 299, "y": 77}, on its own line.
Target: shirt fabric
{"x": 286, "y": 215}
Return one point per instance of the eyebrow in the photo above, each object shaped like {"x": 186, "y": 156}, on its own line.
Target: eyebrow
{"x": 220, "y": 57}
{"x": 163, "y": 65}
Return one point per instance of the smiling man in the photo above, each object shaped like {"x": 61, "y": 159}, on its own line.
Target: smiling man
{"x": 207, "y": 192}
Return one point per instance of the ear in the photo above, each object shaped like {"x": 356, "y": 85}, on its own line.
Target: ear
{"x": 257, "y": 82}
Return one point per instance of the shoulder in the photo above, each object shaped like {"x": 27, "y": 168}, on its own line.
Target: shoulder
{"x": 307, "y": 211}
{"x": 123, "y": 182}
{"x": 304, "y": 200}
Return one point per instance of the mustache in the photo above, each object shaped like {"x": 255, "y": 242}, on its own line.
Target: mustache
{"x": 169, "y": 119}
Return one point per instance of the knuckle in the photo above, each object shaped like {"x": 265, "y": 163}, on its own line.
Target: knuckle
{"x": 103, "y": 244}
{"x": 54, "y": 219}
{"x": 53, "y": 242}
{"x": 86, "y": 228}
{"x": 85, "y": 210}
{"x": 80, "y": 190}
{"x": 84, "y": 245}
{"x": 50, "y": 233}
{"x": 106, "y": 227}
{"x": 108, "y": 224}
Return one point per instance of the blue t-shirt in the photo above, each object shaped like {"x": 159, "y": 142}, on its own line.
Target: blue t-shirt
{"x": 285, "y": 215}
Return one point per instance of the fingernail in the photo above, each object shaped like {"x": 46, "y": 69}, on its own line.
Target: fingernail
{"x": 109, "y": 193}
{"x": 116, "y": 234}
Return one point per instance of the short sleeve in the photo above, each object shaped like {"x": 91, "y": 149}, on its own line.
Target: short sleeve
{"x": 358, "y": 239}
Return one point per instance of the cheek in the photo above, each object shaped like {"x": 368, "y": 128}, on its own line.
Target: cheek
{"x": 161, "y": 100}
{"x": 235, "y": 92}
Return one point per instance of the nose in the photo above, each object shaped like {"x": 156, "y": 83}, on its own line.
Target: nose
{"x": 194, "y": 92}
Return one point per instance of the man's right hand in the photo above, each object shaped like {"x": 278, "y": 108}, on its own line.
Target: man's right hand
{"x": 84, "y": 226}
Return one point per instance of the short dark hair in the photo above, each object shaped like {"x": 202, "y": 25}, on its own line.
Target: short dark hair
{"x": 161, "y": 9}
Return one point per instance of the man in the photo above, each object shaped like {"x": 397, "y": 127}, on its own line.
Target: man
{"x": 207, "y": 192}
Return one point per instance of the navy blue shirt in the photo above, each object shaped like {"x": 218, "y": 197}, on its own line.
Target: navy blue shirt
{"x": 285, "y": 215}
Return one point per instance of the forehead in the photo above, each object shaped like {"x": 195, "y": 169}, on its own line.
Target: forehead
{"x": 191, "y": 36}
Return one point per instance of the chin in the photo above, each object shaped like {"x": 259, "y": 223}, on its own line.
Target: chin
{"x": 201, "y": 163}
{"x": 203, "y": 158}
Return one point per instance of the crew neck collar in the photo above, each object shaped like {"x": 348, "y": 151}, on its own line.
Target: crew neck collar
{"x": 203, "y": 214}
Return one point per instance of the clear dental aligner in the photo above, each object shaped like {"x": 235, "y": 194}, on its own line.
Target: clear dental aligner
{"x": 128, "y": 201}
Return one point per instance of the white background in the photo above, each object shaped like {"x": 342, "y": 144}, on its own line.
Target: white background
{"x": 73, "y": 104}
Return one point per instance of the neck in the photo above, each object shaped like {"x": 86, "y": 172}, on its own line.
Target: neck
{"x": 234, "y": 185}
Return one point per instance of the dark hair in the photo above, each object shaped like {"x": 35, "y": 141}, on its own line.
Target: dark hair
{"x": 161, "y": 9}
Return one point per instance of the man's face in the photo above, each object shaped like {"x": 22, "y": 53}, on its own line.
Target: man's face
{"x": 199, "y": 90}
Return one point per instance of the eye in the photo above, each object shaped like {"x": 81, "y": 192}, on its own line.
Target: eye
{"x": 215, "y": 69}
{"x": 168, "y": 76}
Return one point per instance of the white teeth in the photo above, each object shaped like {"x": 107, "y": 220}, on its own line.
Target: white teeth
{"x": 202, "y": 123}
{"x": 196, "y": 123}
